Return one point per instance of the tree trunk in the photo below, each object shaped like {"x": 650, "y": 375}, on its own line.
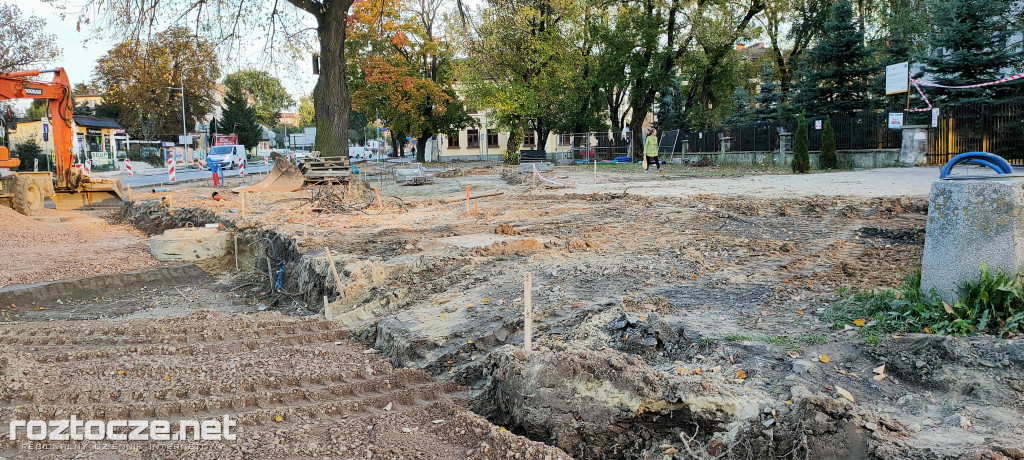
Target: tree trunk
{"x": 542, "y": 140}
{"x": 515, "y": 140}
{"x": 636, "y": 126}
{"x": 421, "y": 147}
{"x": 331, "y": 99}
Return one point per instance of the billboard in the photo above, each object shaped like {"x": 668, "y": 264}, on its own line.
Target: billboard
{"x": 225, "y": 139}
{"x": 897, "y": 78}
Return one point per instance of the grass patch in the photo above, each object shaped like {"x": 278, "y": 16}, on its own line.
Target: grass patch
{"x": 737, "y": 338}
{"x": 993, "y": 304}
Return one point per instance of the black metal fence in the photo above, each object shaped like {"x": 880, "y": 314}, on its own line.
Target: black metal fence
{"x": 862, "y": 132}
{"x": 993, "y": 128}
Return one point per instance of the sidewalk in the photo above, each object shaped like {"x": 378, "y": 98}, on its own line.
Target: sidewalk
{"x": 139, "y": 168}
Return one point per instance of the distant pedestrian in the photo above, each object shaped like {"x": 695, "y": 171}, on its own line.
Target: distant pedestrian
{"x": 651, "y": 150}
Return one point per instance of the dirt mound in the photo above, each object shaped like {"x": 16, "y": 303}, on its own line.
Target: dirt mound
{"x": 577, "y": 245}
{"x": 294, "y": 388}
{"x": 508, "y": 230}
{"x": 511, "y": 247}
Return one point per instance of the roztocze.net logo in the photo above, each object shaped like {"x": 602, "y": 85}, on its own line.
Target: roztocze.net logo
{"x": 75, "y": 429}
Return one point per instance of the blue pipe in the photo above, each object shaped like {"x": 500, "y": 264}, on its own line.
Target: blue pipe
{"x": 997, "y": 163}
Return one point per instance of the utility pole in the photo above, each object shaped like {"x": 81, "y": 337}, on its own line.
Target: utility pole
{"x": 184, "y": 128}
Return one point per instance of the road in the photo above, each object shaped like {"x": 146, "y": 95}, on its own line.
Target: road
{"x": 188, "y": 174}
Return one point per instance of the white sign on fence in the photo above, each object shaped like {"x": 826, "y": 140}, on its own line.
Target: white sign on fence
{"x": 896, "y": 120}
{"x": 935, "y": 117}
{"x": 897, "y": 78}
{"x": 817, "y": 124}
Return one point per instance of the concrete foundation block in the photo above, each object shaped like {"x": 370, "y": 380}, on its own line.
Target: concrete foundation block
{"x": 190, "y": 244}
{"x": 543, "y": 166}
{"x": 972, "y": 222}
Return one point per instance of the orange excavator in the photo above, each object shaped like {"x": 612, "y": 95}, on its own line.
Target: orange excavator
{"x": 26, "y": 192}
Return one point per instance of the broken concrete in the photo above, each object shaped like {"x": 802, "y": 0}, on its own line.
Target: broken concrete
{"x": 190, "y": 244}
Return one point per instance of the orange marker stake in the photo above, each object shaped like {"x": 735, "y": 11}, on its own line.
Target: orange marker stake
{"x": 467, "y": 199}
{"x": 378, "y": 198}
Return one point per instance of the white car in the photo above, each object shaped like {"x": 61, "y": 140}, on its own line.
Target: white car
{"x": 229, "y": 156}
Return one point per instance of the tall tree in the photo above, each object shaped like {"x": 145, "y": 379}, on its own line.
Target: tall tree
{"x": 307, "y": 112}
{"x": 742, "y": 113}
{"x": 284, "y": 26}
{"x": 263, "y": 91}
{"x": 24, "y": 44}
{"x": 801, "y": 147}
{"x": 970, "y": 42}
{"x": 406, "y": 69}
{"x": 791, "y": 27}
{"x": 239, "y": 117}
{"x": 522, "y": 60}
{"x": 142, "y": 77}
{"x": 770, "y": 105}
{"x": 835, "y": 77}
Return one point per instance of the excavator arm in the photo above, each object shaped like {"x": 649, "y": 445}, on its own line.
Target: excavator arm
{"x": 16, "y": 85}
{"x": 28, "y": 190}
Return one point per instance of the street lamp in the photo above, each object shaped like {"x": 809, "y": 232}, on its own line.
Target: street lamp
{"x": 184, "y": 129}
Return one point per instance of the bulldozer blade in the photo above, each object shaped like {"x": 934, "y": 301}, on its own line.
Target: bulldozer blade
{"x": 285, "y": 177}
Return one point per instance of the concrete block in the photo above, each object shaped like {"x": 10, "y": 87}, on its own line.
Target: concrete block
{"x": 190, "y": 244}
{"x": 914, "y": 147}
{"x": 972, "y": 222}
{"x": 543, "y": 166}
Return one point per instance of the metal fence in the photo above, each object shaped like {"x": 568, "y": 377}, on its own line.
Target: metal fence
{"x": 599, "y": 145}
{"x": 862, "y": 132}
{"x": 993, "y": 128}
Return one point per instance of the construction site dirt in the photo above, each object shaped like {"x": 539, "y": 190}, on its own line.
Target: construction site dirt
{"x": 679, "y": 315}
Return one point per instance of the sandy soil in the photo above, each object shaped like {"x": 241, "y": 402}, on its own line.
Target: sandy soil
{"x": 295, "y": 387}
{"x": 64, "y": 244}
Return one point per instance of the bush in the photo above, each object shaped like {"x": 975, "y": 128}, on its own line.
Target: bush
{"x": 828, "y": 158}
{"x": 29, "y": 151}
{"x": 993, "y": 304}
{"x": 801, "y": 148}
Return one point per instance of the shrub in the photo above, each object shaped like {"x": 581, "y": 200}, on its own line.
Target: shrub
{"x": 994, "y": 304}
{"x": 801, "y": 148}
{"x": 828, "y": 158}
{"x": 29, "y": 151}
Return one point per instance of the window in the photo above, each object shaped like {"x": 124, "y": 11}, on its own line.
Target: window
{"x": 564, "y": 139}
{"x": 453, "y": 141}
{"x": 473, "y": 138}
{"x": 492, "y": 138}
{"x": 530, "y": 138}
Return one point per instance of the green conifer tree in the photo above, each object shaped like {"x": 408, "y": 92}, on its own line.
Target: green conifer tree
{"x": 836, "y": 74}
{"x": 801, "y": 148}
{"x": 239, "y": 118}
{"x": 828, "y": 158}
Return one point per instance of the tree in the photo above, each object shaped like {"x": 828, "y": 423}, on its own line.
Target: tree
{"x": 23, "y": 43}
{"x": 522, "y": 61}
{"x": 801, "y": 148}
{"x": 109, "y": 110}
{"x": 141, "y": 77}
{"x": 27, "y": 152}
{"x": 969, "y": 42}
{"x": 791, "y": 27}
{"x": 828, "y": 159}
{"x": 239, "y": 117}
{"x": 836, "y": 74}
{"x": 284, "y": 26}
{"x": 406, "y": 69}
{"x": 307, "y": 112}
{"x": 671, "y": 113}
{"x": 263, "y": 91}
{"x": 37, "y": 110}
{"x": 741, "y": 110}
{"x": 770, "y": 105}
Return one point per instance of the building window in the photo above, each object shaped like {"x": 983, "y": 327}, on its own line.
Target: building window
{"x": 564, "y": 139}
{"x": 473, "y": 138}
{"x": 492, "y": 138}
{"x": 530, "y": 138}
{"x": 453, "y": 141}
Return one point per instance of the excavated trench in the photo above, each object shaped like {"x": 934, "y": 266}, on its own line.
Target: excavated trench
{"x": 597, "y": 394}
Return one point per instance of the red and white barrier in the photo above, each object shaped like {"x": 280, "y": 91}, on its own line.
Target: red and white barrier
{"x": 35, "y": 164}
{"x": 88, "y": 166}
{"x": 979, "y": 85}
{"x": 128, "y": 167}
{"x": 170, "y": 170}
{"x": 241, "y": 168}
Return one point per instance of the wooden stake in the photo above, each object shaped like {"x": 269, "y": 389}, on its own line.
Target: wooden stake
{"x": 129, "y": 191}
{"x": 270, "y": 273}
{"x": 528, "y": 312}
{"x": 476, "y": 208}
{"x": 467, "y": 199}
{"x": 381, "y": 203}
{"x": 474, "y": 197}
{"x": 334, "y": 270}
{"x": 325, "y": 304}
{"x": 236, "y": 253}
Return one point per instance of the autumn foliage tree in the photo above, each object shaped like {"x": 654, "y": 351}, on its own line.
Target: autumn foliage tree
{"x": 141, "y": 77}
{"x": 406, "y": 69}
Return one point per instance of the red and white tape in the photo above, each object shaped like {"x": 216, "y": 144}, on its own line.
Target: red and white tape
{"x": 979, "y": 85}
{"x": 537, "y": 173}
{"x": 170, "y": 170}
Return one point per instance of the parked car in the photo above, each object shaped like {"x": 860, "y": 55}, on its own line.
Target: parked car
{"x": 229, "y": 156}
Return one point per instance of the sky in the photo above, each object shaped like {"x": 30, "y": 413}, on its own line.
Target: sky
{"x": 81, "y": 49}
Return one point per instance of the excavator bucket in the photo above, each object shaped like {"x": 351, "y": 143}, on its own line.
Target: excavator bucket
{"x": 285, "y": 177}
{"x": 91, "y": 193}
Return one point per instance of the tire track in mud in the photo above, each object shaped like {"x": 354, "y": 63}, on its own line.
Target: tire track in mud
{"x": 290, "y": 385}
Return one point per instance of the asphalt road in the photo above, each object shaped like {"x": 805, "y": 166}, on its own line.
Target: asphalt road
{"x": 188, "y": 174}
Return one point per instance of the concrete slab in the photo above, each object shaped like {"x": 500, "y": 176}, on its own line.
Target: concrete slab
{"x": 543, "y": 166}
{"x": 190, "y": 244}
{"x": 972, "y": 222}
